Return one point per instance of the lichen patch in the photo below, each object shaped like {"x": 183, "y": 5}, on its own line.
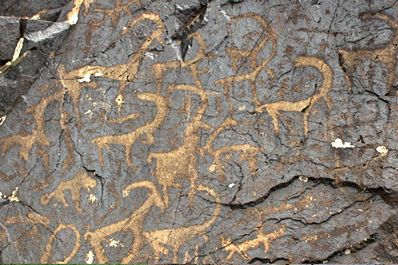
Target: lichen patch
{"x": 338, "y": 143}
{"x": 14, "y": 196}
{"x": 382, "y": 150}
{"x": 115, "y": 243}
{"x": 89, "y": 257}
{"x": 91, "y": 198}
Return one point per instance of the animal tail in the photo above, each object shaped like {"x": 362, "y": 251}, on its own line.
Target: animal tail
{"x": 138, "y": 185}
{"x": 322, "y": 67}
{"x": 161, "y": 104}
{"x": 155, "y": 18}
{"x": 147, "y": 185}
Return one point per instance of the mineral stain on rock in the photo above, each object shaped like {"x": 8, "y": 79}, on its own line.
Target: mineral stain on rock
{"x": 205, "y": 132}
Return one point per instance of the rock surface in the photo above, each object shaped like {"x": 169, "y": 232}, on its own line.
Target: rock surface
{"x": 221, "y": 132}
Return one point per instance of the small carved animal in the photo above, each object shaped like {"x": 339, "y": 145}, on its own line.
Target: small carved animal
{"x": 247, "y": 151}
{"x": 386, "y": 55}
{"x": 274, "y": 109}
{"x": 261, "y": 239}
{"x": 124, "y": 73}
{"x": 129, "y": 139}
{"x": 49, "y": 246}
{"x": 38, "y": 136}
{"x": 79, "y": 182}
{"x": 174, "y": 238}
{"x": 133, "y": 223}
{"x": 268, "y": 35}
{"x": 181, "y": 162}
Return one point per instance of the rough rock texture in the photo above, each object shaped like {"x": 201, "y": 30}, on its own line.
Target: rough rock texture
{"x": 198, "y": 131}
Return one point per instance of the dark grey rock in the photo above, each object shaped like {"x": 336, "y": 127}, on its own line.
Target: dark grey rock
{"x": 205, "y": 132}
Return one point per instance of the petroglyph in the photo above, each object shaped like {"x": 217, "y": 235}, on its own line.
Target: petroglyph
{"x": 26, "y": 141}
{"x": 120, "y": 7}
{"x": 204, "y": 117}
{"x": 130, "y": 138}
{"x": 182, "y": 162}
{"x": 267, "y": 35}
{"x": 31, "y": 218}
{"x": 300, "y": 205}
{"x": 81, "y": 181}
{"x": 124, "y": 73}
{"x": 133, "y": 223}
{"x": 49, "y": 247}
{"x": 262, "y": 238}
{"x": 386, "y": 56}
{"x": 247, "y": 151}
{"x": 274, "y": 109}
{"x": 174, "y": 238}
{"x": 160, "y": 69}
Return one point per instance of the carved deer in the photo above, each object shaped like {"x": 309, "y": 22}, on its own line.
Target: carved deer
{"x": 274, "y": 109}
{"x": 124, "y": 73}
{"x": 181, "y": 162}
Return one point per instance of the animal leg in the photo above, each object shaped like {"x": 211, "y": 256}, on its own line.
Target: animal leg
{"x": 128, "y": 156}
{"x": 150, "y": 139}
{"x": 274, "y": 115}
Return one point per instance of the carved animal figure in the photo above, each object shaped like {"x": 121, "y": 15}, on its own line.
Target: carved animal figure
{"x": 133, "y": 223}
{"x": 119, "y": 8}
{"x": 274, "y": 109}
{"x": 386, "y": 55}
{"x": 26, "y": 141}
{"x": 261, "y": 239}
{"x": 124, "y": 73}
{"x": 174, "y": 238}
{"x": 159, "y": 69}
{"x": 129, "y": 139}
{"x": 181, "y": 162}
{"x": 74, "y": 185}
{"x": 49, "y": 246}
{"x": 247, "y": 151}
{"x": 267, "y": 36}
{"x": 34, "y": 219}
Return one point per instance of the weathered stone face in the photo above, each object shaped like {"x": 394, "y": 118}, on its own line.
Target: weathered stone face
{"x": 198, "y": 131}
